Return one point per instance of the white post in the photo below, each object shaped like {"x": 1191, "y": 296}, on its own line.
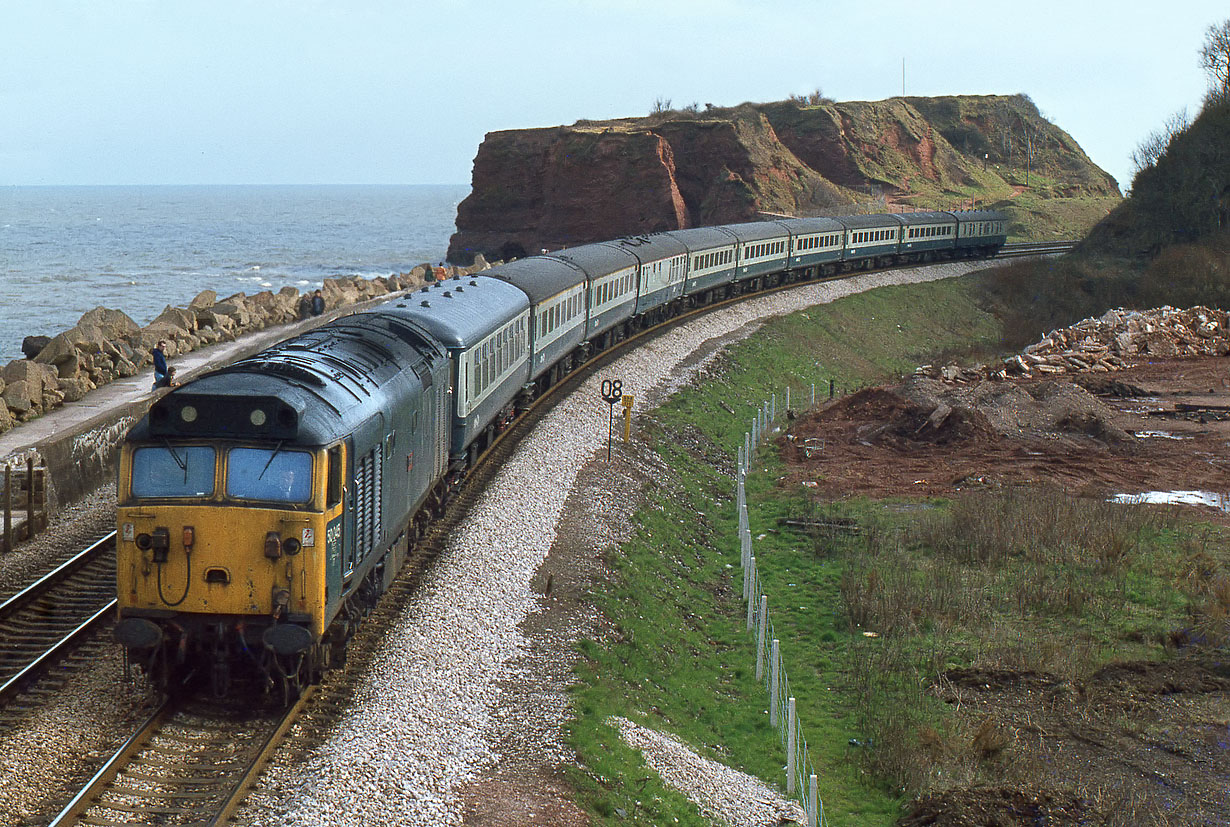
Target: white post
{"x": 773, "y": 409}
{"x": 815, "y": 814}
{"x": 747, "y": 449}
{"x": 787, "y": 397}
{"x": 792, "y": 742}
{"x": 760, "y": 636}
{"x": 775, "y": 671}
{"x": 813, "y": 394}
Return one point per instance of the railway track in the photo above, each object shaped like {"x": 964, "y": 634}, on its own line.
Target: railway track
{"x": 1035, "y": 248}
{"x": 55, "y": 618}
{"x": 189, "y": 763}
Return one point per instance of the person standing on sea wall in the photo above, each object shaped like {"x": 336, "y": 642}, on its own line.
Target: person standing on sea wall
{"x": 318, "y": 303}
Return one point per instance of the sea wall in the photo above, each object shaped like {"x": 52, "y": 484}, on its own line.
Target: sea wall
{"x": 107, "y": 345}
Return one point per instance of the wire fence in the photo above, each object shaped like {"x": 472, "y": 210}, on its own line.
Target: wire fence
{"x": 801, "y": 780}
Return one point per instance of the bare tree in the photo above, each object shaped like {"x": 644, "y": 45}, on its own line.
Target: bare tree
{"x": 813, "y": 98}
{"x": 1155, "y": 144}
{"x": 1215, "y": 57}
{"x": 661, "y": 105}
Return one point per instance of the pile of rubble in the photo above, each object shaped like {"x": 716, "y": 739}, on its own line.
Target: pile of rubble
{"x": 106, "y": 345}
{"x": 1108, "y": 343}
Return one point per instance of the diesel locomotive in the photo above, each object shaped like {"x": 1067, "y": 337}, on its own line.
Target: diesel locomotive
{"x": 265, "y": 506}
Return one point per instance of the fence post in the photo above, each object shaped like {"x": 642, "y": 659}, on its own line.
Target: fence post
{"x": 830, "y": 389}
{"x": 761, "y": 635}
{"x": 31, "y": 523}
{"x": 775, "y": 671}
{"x": 8, "y": 508}
{"x": 747, "y": 448}
{"x": 773, "y": 409}
{"x": 792, "y": 743}
{"x": 787, "y": 397}
{"x": 813, "y": 394}
{"x": 749, "y": 579}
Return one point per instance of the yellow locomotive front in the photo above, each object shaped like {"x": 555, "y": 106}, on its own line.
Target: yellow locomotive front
{"x": 221, "y": 557}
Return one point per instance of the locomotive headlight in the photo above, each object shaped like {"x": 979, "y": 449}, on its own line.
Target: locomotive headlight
{"x": 291, "y": 546}
{"x": 144, "y": 541}
{"x": 188, "y": 413}
{"x": 257, "y": 417}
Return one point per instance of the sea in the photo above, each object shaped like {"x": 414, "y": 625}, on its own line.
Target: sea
{"x": 66, "y": 250}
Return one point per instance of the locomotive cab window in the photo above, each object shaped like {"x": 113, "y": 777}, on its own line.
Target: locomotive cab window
{"x": 334, "y": 494}
{"x": 173, "y": 471}
{"x": 269, "y": 474}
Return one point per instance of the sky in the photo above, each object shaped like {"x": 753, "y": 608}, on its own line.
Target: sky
{"x": 384, "y": 92}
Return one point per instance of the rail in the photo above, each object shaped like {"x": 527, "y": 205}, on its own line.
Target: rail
{"x": 182, "y": 761}
{"x": 51, "y": 616}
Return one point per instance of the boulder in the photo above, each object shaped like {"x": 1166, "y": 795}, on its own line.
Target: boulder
{"x": 75, "y": 389}
{"x": 40, "y": 376}
{"x": 176, "y": 317}
{"x": 113, "y": 324}
{"x": 338, "y": 293}
{"x": 32, "y": 346}
{"x": 203, "y": 299}
{"x": 6, "y": 419}
{"x": 65, "y": 348}
{"x": 23, "y": 399}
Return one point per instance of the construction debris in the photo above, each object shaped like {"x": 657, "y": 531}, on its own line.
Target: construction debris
{"x": 1116, "y": 340}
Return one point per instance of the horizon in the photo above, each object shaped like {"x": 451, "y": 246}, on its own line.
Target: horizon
{"x": 304, "y": 93}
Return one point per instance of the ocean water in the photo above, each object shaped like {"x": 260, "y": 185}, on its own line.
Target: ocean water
{"x": 67, "y": 250}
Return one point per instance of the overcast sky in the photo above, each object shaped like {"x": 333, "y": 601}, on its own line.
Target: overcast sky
{"x": 370, "y": 92}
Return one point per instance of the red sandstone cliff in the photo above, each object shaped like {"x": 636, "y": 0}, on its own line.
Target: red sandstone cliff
{"x": 536, "y": 189}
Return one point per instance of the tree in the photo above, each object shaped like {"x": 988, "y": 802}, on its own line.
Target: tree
{"x": 1215, "y": 57}
{"x": 1155, "y": 144}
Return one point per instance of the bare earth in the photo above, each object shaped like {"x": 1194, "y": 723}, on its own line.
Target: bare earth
{"x": 1142, "y": 743}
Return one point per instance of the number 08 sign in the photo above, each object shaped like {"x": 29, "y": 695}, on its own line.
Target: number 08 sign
{"x": 612, "y": 393}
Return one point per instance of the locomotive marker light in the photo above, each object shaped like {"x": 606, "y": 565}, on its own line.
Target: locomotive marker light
{"x": 612, "y": 392}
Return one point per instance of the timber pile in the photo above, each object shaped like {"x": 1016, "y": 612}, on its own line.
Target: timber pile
{"x": 1109, "y": 343}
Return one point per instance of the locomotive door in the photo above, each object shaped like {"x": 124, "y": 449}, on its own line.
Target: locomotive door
{"x": 336, "y": 535}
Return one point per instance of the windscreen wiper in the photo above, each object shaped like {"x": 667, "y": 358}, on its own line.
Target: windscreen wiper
{"x": 271, "y": 456}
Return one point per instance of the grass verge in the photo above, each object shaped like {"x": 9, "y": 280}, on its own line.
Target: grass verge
{"x": 940, "y": 586}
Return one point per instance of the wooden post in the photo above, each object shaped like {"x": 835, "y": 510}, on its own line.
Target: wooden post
{"x": 8, "y": 508}
{"x": 30, "y": 519}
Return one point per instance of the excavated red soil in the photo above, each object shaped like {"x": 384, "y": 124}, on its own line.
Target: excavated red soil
{"x": 1136, "y": 743}
{"x": 896, "y": 441}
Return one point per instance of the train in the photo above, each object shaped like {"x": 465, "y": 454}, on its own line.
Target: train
{"x": 264, "y": 507}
